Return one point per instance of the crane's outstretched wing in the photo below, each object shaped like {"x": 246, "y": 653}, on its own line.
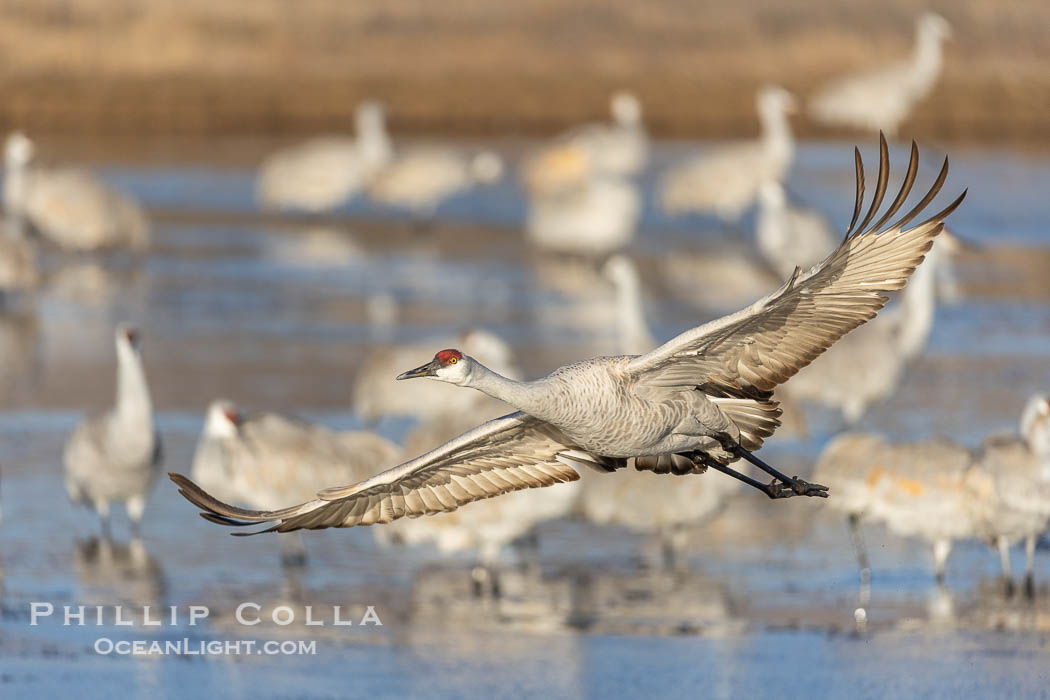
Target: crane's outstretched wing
{"x": 752, "y": 351}
{"x": 507, "y": 454}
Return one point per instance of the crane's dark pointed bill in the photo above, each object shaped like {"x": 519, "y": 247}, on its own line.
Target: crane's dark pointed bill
{"x": 427, "y": 370}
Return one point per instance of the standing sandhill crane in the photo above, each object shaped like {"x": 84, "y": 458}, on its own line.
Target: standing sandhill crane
{"x": 18, "y": 267}
{"x": 581, "y": 198}
{"x": 1019, "y": 468}
{"x": 726, "y": 180}
{"x": 324, "y": 172}
{"x": 375, "y": 396}
{"x": 635, "y": 336}
{"x": 918, "y": 490}
{"x": 702, "y": 400}
{"x": 789, "y": 236}
{"x": 69, "y": 206}
{"x": 882, "y": 99}
{"x": 596, "y": 216}
{"x": 620, "y": 149}
{"x": 867, "y": 366}
{"x": 259, "y": 460}
{"x": 114, "y": 457}
{"x": 423, "y": 178}
{"x": 942, "y": 492}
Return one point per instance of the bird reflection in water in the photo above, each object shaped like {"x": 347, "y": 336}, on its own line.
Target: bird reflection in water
{"x": 109, "y": 572}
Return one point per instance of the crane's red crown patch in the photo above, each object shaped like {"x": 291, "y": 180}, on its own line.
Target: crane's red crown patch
{"x": 449, "y": 357}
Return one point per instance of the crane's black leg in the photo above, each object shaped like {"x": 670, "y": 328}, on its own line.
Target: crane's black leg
{"x": 773, "y": 489}
{"x": 797, "y": 485}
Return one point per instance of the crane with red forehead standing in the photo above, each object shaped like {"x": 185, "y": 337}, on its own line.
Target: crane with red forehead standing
{"x": 702, "y": 400}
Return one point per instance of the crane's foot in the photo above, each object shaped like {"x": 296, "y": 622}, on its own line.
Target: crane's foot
{"x": 794, "y": 487}
{"x": 797, "y": 486}
{"x": 1029, "y": 587}
{"x": 805, "y": 488}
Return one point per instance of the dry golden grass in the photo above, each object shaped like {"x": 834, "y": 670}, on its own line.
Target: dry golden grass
{"x": 486, "y": 66}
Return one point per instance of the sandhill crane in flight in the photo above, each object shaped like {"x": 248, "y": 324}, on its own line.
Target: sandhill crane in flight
{"x": 643, "y": 501}
{"x": 702, "y": 400}
{"x": 882, "y": 99}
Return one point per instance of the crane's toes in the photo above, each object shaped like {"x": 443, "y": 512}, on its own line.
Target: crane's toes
{"x": 776, "y": 489}
{"x": 804, "y": 488}
{"x": 796, "y": 487}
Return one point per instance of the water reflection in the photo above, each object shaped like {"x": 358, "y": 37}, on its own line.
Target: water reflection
{"x": 109, "y": 572}
{"x": 657, "y": 602}
{"x": 20, "y": 367}
{"x": 316, "y": 246}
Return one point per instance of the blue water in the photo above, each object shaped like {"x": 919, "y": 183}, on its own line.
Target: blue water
{"x": 278, "y": 315}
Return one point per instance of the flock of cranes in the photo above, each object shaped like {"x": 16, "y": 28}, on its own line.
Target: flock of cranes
{"x": 942, "y": 492}
{"x": 703, "y": 400}
{"x": 644, "y": 427}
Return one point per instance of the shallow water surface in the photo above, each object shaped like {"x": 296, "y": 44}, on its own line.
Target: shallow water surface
{"x": 278, "y": 312}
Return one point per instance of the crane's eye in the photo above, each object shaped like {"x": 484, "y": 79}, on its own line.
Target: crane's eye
{"x": 452, "y": 361}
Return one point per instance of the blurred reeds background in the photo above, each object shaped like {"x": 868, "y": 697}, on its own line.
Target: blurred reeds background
{"x": 200, "y": 67}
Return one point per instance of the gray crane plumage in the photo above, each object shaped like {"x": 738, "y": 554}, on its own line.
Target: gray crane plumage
{"x": 867, "y": 366}
{"x": 644, "y": 501}
{"x": 727, "y": 179}
{"x": 70, "y": 206}
{"x": 1018, "y": 468}
{"x": 883, "y": 98}
{"x": 113, "y": 457}
{"x": 702, "y": 399}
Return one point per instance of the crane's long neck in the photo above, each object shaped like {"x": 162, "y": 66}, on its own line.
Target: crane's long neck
{"x": 134, "y": 406}
{"x": 635, "y": 336}
{"x": 918, "y": 306}
{"x": 776, "y": 132}
{"x": 15, "y": 183}
{"x": 1035, "y": 429}
{"x": 926, "y": 61}
{"x": 770, "y": 231}
{"x": 524, "y": 396}
{"x": 374, "y": 141}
